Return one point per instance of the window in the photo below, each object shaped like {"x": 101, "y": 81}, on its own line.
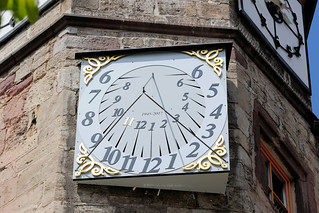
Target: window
{"x": 282, "y": 173}
{"x": 279, "y": 185}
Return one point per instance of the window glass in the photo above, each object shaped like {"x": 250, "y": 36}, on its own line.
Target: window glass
{"x": 7, "y": 23}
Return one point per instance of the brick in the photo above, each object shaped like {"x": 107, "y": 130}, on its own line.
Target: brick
{"x": 2, "y": 140}
{"x": 167, "y": 7}
{"x": 213, "y": 10}
{"x": 236, "y": 55}
{"x": 6, "y": 84}
{"x": 14, "y": 108}
{"x": 87, "y": 43}
{"x": 23, "y": 71}
{"x": 87, "y": 4}
{"x": 19, "y": 87}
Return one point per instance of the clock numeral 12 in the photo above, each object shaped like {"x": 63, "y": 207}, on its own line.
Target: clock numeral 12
{"x": 154, "y": 169}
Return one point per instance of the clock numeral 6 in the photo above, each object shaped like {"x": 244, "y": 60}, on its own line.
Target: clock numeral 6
{"x": 105, "y": 77}
{"x": 197, "y": 73}
{"x": 87, "y": 121}
{"x": 180, "y": 83}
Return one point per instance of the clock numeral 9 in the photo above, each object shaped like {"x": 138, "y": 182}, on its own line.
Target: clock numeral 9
{"x": 95, "y": 139}
{"x": 88, "y": 118}
{"x": 117, "y": 99}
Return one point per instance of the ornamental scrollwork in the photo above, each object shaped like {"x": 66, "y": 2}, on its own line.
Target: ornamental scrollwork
{"x": 211, "y": 58}
{"x": 95, "y": 65}
{"x": 214, "y": 157}
{"x": 88, "y": 164}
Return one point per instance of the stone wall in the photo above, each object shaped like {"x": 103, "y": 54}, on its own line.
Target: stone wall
{"x": 38, "y": 101}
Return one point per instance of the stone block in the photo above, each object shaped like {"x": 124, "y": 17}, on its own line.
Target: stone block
{"x": 87, "y": 4}
{"x": 178, "y": 210}
{"x": 172, "y": 8}
{"x": 212, "y": 9}
{"x": 14, "y": 108}
{"x": 40, "y": 57}
{"x": 23, "y": 71}
{"x": 15, "y": 90}
{"x": 30, "y": 201}
{"x": 68, "y": 78}
{"x": 8, "y": 189}
{"x": 2, "y": 140}
{"x": 40, "y": 91}
{"x": 243, "y": 121}
{"x": 191, "y": 9}
{"x": 86, "y": 43}
{"x": 6, "y": 84}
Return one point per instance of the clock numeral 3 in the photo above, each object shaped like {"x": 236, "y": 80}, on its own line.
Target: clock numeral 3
{"x": 210, "y": 131}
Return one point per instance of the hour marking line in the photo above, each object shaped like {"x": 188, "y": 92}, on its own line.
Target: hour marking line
{"x": 163, "y": 107}
{"x": 189, "y": 130}
{"x": 84, "y": 160}
{"x": 198, "y": 103}
{"x": 133, "y": 151}
{"x": 120, "y": 137}
{"x": 107, "y": 92}
{"x": 193, "y": 120}
{"x": 169, "y": 149}
{"x": 197, "y": 87}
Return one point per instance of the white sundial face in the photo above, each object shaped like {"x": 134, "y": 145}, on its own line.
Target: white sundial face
{"x": 142, "y": 118}
{"x": 157, "y": 95}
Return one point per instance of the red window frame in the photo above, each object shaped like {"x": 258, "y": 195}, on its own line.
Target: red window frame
{"x": 274, "y": 168}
